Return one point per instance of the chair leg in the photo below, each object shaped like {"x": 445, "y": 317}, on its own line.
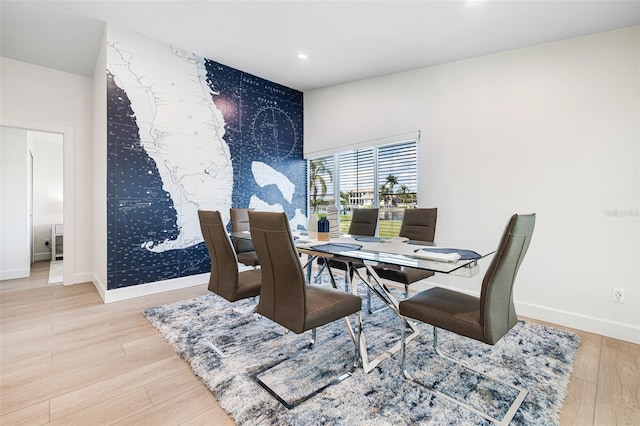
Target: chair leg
{"x": 403, "y": 348}
{"x": 513, "y": 408}
{"x": 312, "y": 343}
{"x": 358, "y": 359}
{"x": 289, "y": 405}
{"x": 348, "y": 277}
{"x": 333, "y": 279}
{"x": 317, "y": 277}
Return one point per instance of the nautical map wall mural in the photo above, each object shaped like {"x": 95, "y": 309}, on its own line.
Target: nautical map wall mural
{"x": 186, "y": 133}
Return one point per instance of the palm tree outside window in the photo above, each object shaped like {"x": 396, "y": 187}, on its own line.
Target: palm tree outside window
{"x": 320, "y": 183}
{"x": 384, "y": 177}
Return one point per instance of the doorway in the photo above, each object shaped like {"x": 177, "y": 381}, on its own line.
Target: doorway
{"x": 48, "y": 199}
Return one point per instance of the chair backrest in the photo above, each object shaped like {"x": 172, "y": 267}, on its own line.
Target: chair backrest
{"x": 364, "y": 222}
{"x": 282, "y": 295}
{"x": 419, "y": 224}
{"x": 224, "y": 264}
{"x": 497, "y": 311}
{"x": 240, "y": 223}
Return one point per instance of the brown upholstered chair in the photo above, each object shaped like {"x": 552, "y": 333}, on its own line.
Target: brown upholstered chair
{"x": 226, "y": 280}
{"x": 364, "y": 222}
{"x": 486, "y": 318}
{"x": 286, "y": 298}
{"x": 243, "y": 247}
{"x": 417, "y": 225}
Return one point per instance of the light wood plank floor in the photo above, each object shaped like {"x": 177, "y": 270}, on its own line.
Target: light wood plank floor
{"x": 69, "y": 359}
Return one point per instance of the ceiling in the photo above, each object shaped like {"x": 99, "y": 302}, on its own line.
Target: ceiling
{"x": 345, "y": 40}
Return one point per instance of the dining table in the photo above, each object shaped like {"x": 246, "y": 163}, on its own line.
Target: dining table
{"x": 372, "y": 251}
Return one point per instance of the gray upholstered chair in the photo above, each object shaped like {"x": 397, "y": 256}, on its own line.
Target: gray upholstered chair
{"x": 286, "y": 298}
{"x": 364, "y": 222}
{"x": 243, "y": 247}
{"x": 225, "y": 279}
{"x": 486, "y": 318}
{"x": 417, "y": 225}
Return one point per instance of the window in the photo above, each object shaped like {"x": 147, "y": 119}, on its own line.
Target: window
{"x": 385, "y": 177}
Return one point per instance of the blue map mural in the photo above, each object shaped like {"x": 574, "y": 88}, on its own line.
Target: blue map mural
{"x": 186, "y": 133}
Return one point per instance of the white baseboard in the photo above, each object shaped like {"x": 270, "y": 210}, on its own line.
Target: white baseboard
{"x": 152, "y": 288}
{"x": 109, "y": 296}
{"x": 100, "y": 286}
{"x": 13, "y": 274}
{"x": 85, "y": 277}
{"x": 613, "y": 329}
{"x": 42, "y": 256}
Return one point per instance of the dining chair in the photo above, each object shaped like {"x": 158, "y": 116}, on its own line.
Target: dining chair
{"x": 286, "y": 298}
{"x": 225, "y": 279}
{"x": 419, "y": 226}
{"x": 244, "y": 247}
{"x": 364, "y": 222}
{"x": 486, "y": 318}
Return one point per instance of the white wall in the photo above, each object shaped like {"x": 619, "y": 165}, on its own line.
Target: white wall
{"x": 47, "y": 189}
{"x": 15, "y": 255}
{"x": 99, "y": 235}
{"x": 552, "y": 129}
{"x": 51, "y": 99}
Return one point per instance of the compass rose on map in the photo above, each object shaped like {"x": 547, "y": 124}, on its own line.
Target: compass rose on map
{"x": 274, "y": 133}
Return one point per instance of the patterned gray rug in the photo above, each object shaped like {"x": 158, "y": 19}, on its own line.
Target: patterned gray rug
{"x": 536, "y": 357}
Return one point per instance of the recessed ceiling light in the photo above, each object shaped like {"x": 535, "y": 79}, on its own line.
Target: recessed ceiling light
{"x": 302, "y": 56}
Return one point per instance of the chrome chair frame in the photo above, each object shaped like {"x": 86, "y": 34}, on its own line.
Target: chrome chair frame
{"x": 513, "y": 408}
{"x": 285, "y": 295}
{"x": 225, "y": 280}
{"x": 486, "y": 318}
{"x": 290, "y": 405}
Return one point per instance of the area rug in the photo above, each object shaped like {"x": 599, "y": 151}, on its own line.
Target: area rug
{"x": 56, "y": 269}
{"x": 201, "y": 329}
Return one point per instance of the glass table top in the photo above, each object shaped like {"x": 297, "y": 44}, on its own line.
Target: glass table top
{"x": 397, "y": 251}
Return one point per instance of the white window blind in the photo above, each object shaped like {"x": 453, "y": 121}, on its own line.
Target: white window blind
{"x": 398, "y": 175}
{"x": 356, "y": 179}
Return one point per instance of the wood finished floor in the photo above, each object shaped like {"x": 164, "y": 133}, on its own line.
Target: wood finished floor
{"x": 68, "y": 359}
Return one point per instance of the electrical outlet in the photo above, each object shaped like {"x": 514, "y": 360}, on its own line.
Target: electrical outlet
{"x": 46, "y": 243}
{"x": 617, "y": 294}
